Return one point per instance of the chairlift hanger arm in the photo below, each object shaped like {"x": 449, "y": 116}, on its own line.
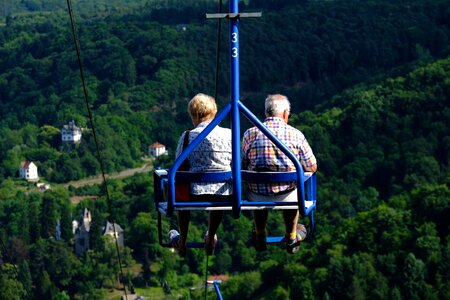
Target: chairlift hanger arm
{"x": 234, "y": 108}
{"x": 306, "y": 182}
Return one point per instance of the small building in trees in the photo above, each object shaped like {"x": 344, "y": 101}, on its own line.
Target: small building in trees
{"x": 156, "y": 149}
{"x": 71, "y": 133}
{"x": 114, "y": 229}
{"x": 28, "y": 170}
{"x": 81, "y": 230}
{"x": 42, "y": 186}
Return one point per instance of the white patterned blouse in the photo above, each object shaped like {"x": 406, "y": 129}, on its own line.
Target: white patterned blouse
{"x": 212, "y": 154}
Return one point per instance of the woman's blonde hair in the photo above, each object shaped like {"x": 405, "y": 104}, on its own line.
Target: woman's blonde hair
{"x": 202, "y": 107}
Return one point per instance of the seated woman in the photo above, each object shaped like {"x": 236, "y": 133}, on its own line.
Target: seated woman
{"x": 212, "y": 154}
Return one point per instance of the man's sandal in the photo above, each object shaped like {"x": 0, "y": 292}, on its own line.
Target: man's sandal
{"x": 292, "y": 245}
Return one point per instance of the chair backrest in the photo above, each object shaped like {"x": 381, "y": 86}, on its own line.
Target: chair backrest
{"x": 268, "y": 177}
{"x": 188, "y": 176}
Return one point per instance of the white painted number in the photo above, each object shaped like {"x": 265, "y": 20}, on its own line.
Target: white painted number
{"x": 234, "y": 51}
{"x": 234, "y": 37}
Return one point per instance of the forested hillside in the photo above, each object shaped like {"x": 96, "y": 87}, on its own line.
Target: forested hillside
{"x": 369, "y": 85}
{"x": 141, "y": 70}
{"x": 382, "y": 232}
{"x": 97, "y": 9}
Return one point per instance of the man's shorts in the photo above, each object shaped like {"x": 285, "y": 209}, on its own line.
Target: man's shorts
{"x": 285, "y": 197}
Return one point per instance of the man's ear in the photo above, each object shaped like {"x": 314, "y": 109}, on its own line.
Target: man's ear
{"x": 286, "y": 115}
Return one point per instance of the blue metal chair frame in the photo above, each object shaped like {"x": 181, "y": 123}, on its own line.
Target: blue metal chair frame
{"x": 233, "y": 108}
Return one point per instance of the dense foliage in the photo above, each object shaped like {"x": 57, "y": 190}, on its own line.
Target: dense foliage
{"x": 141, "y": 69}
{"x": 383, "y": 146}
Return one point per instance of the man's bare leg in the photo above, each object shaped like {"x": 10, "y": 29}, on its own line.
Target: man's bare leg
{"x": 290, "y": 217}
{"x": 260, "y": 219}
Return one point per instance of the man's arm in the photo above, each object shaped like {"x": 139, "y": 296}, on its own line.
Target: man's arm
{"x": 307, "y": 158}
{"x": 310, "y": 169}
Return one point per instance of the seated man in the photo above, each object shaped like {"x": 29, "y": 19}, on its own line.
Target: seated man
{"x": 260, "y": 154}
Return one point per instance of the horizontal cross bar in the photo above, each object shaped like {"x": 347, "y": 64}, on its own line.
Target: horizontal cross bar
{"x": 246, "y": 205}
{"x": 251, "y": 176}
{"x": 234, "y": 15}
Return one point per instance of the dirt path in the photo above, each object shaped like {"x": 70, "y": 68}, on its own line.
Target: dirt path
{"x": 77, "y": 199}
{"x": 98, "y": 179}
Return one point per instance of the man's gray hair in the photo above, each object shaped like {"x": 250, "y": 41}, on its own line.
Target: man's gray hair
{"x": 276, "y": 104}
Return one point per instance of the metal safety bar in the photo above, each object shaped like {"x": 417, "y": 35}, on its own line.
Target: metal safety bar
{"x": 161, "y": 182}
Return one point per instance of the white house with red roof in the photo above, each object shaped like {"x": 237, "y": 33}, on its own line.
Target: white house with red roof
{"x": 156, "y": 149}
{"x": 28, "y": 170}
{"x": 217, "y": 278}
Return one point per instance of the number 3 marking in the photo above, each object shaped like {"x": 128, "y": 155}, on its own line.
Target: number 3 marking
{"x": 234, "y": 37}
{"x": 234, "y": 52}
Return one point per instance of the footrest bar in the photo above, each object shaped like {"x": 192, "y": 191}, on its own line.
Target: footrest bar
{"x": 162, "y": 207}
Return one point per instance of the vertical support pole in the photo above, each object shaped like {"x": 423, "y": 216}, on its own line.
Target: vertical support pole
{"x": 234, "y": 94}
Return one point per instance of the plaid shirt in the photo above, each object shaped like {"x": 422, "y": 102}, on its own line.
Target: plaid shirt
{"x": 260, "y": 154}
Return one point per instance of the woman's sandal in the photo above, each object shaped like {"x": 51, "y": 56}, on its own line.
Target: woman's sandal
{"x": 174, "y": 241}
